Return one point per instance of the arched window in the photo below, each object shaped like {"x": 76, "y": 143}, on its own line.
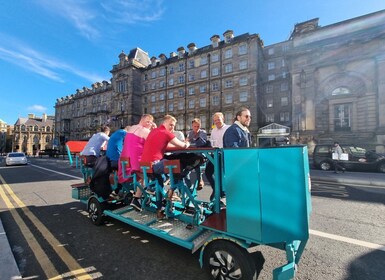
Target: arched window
{"x": 35, "y": 128}
{"x": 48, "y": 129}
{"x": 23, "y": 127}
{"x": 341, "y": 91}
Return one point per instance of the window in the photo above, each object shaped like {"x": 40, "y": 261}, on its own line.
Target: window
{"x": 153, "y": 110}
{"x": 269, "y": 103}
{"x": 202, "y": 102}
{"x": 181, "y": 66}
{"x": 145, "y": 87}
{"x": 214, "y": 57}
{"x": 35, "y": 128}
{"x": 228, "y": 53}
{"x": 243, "y": 96}
{"x": 171, "y": 81}
{"x": 153, "y": 74}
{"x": 153, "y": 99}
{"x": 342, "y": 117}
{"x": 162, "y": 72}
{"x": 191, "y": 90}
{"x": 191, "y": 77}
{"x": 270, "y": 117}
{"x": 202, "y": 88}
{"x": 161, "y": 108}
{"x": 161, "y": 96}
{"x": 284, "y": 86}
{"x": 215, "y": 100}
{"x": 181, "y": 104}
{"x": 269, "y": 88}
{"x": 283, "y": 62}
{"x": 122, "y": 86}
{"x": 203, "y": 60}
{"x": 243, "y": 81}
{"x": 171, "y": 70}
{"x": 242, "y": 49}
{"x": 215, "y": 86}
{"x": 284, "y": 101}
{"x": 171, "y": 107}
{"x": 145, "y": 77}
{"x": 191, "y": 63}
{"x": 284, "y": 74}
{"x": 181, "y": 79}
{"x": 215, "y": 71}
{"x": 229, "y": 117}
{"x": 191, "y": 104}
{"x": 162, "y": 84}
{"x": 181, "y": 92}
{"x": 270, "y": 65}
{"x": 153, "y": 86}
{"x": 271, "y": 77}
{"x": 284, "y": 116}
{"x": 228, "y": 68}
{"x": 341, "y": 91}
{"x": 171, "y": 95}
{"x": 229, "y": 98}
{"x": 270, "y": 51}
{"x": 243, "y": 65}
{"x": 203, "y": 74}
{"x": 228, "y": 83}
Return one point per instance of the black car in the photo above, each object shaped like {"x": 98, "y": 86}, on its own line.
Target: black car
{"x": 358, "y": 159}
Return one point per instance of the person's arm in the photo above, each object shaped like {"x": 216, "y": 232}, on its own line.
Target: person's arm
{"x": 175, "y": 142}
{"x": 231, "y": 138}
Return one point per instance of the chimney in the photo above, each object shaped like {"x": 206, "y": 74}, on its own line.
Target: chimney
{"x": 162, "y": 58}
{"x": 31, "y": 116}
{"x": 153, "y": 61}
{"x": 181, "y": 52}
{"x": 215, "y": 39}
{"x": 191, "y": 48}
{"x": 44, "y": 117}
{"x": 172, "y": 54}
{"x": 229, "y": 35}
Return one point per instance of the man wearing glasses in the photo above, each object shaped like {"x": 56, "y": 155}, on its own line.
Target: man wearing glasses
{"x": 238, "y": 134}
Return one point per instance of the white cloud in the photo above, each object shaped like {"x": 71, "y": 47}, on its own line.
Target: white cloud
{"x": 37, "y": 108}
{"x": 92, "y": 18}
{"x": 18, "y": 53}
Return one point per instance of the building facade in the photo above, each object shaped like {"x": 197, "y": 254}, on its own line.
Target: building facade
{"x": 33, "y": 134}
{"x": 323, "y": 84}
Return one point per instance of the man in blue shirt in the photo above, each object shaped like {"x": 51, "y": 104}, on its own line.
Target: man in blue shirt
{"x": 238, "y": 134}
{"x": 115, "y": 146}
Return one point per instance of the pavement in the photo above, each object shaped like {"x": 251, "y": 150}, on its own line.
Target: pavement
{"x": 10, "y": 271}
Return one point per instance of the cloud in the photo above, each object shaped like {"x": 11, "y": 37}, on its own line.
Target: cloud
{"x": 37, "y": 108}
{"x": 19, "y": 54}
{"x": 94, "y": 19}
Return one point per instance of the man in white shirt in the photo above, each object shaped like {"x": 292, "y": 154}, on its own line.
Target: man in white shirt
{"x": 94, "y": 145}
{"x": 216, "y": 141}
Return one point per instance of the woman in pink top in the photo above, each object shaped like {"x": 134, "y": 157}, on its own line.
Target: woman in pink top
{"x": 133, "y": 149}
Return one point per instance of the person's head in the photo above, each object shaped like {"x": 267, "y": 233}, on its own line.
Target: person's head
{"x": 105, "y": 129}
{"x": 243, "y": 116}
{"x": 196, "y": 124}
{"x": 218, "y": 119}
{"x": 336, "y": 143}
{"x": 169, "y": 122}
{"x": 147, "y": 121}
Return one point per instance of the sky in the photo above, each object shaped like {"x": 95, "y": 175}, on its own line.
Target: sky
{"x": 51, "y": 48}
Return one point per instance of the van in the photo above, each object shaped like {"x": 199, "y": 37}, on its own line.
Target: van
{"x": 357, "y": 159}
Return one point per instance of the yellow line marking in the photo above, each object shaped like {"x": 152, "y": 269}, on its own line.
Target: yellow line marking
{"x": 40, "y": 255}
{"x": 71, "y": 263}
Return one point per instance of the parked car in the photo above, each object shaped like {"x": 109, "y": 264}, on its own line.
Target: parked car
{"x": 358, "y": 158}
{"x": 15, "y": 158}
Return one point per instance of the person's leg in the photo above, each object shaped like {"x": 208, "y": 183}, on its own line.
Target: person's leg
{"x": 158, "y": 169}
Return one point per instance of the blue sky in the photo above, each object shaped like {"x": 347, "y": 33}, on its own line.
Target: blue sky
{"x": 50, "y": 48}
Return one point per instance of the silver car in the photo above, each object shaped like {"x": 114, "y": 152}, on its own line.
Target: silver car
{"x": 15, "y": 158}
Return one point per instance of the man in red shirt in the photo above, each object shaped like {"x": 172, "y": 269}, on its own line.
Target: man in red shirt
{"x": 155, "y": 147}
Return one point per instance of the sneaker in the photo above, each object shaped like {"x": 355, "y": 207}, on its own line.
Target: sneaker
{"x": 114, "y": 196}
{"x": 160, "y": 215}
{"x": 136, "y": 203}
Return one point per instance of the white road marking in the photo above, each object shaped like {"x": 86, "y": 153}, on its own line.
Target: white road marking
{"x": 57, "y": 172}
{"x": 348, "y": 240}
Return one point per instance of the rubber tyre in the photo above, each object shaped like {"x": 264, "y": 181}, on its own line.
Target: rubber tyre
{"x": 381, "y": 167}
{"x": 325, "y": 166}
{"x": 95, "y": 212}
{"x": 225, "y": 260}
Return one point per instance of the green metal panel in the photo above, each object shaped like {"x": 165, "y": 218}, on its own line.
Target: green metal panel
{"x": 268, "y": 199}
{"x": 243, "y": 201}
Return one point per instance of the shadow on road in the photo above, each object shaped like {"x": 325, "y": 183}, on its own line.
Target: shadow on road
{"x": 358, "y": 268}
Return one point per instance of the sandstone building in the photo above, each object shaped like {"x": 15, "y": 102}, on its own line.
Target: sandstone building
{"x": 322, "y": 84}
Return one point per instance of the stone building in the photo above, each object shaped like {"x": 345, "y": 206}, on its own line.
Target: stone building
{"x": 33, "y": 134}
{"x": 322, "y": 84}
{"x": 3, "y": 136}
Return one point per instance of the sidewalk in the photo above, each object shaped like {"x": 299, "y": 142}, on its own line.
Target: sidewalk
{"x": 8, "y": 266}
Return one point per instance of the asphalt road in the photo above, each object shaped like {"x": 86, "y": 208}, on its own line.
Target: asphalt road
{"x": 50, "y": 233}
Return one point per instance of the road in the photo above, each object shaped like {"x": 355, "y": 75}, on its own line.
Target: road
{"x": 50, "y": 233}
